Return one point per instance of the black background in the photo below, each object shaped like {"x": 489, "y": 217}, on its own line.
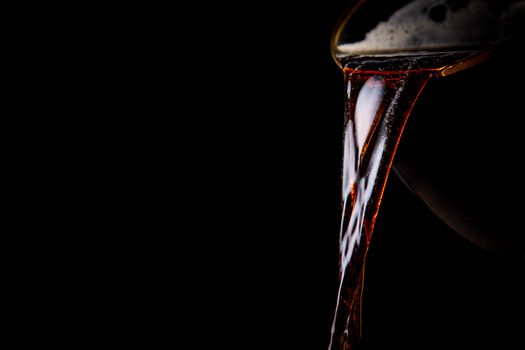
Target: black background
{"x": 203, "y": 202}
{"x": 279, "y": 100}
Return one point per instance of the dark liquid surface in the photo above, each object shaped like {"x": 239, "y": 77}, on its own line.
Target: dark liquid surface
{"x": 417, "y": 63}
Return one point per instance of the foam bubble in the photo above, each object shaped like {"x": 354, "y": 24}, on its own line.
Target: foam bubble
{"x": 434, "y": 24}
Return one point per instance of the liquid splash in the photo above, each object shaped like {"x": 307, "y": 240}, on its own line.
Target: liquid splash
{"x": 377, "y": 107}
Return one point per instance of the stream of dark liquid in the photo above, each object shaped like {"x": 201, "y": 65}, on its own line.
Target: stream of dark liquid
{"x": 381, "y": 92}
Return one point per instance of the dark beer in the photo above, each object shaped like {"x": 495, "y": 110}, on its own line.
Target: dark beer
{"x": 461, "y": 181}
{"x": 380, "y": 95}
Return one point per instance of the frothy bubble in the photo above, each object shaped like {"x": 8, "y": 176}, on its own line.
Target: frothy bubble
{"x": 434, "y": 24}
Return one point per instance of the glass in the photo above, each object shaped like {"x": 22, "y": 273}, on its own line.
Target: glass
{"x": 389, "y": 52}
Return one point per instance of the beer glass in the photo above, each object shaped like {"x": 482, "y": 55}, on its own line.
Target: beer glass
{"x": 453, "y": 67}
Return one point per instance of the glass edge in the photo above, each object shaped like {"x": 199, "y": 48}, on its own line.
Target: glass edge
{"x": 340, "y": 25}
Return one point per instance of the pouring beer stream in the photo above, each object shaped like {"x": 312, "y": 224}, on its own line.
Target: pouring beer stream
{"x": 384, "y": 74}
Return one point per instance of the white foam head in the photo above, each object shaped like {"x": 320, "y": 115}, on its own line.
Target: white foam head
{"x": 435, "y": 24}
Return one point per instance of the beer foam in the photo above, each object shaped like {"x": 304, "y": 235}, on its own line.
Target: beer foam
{"x": 434, "y": 24}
